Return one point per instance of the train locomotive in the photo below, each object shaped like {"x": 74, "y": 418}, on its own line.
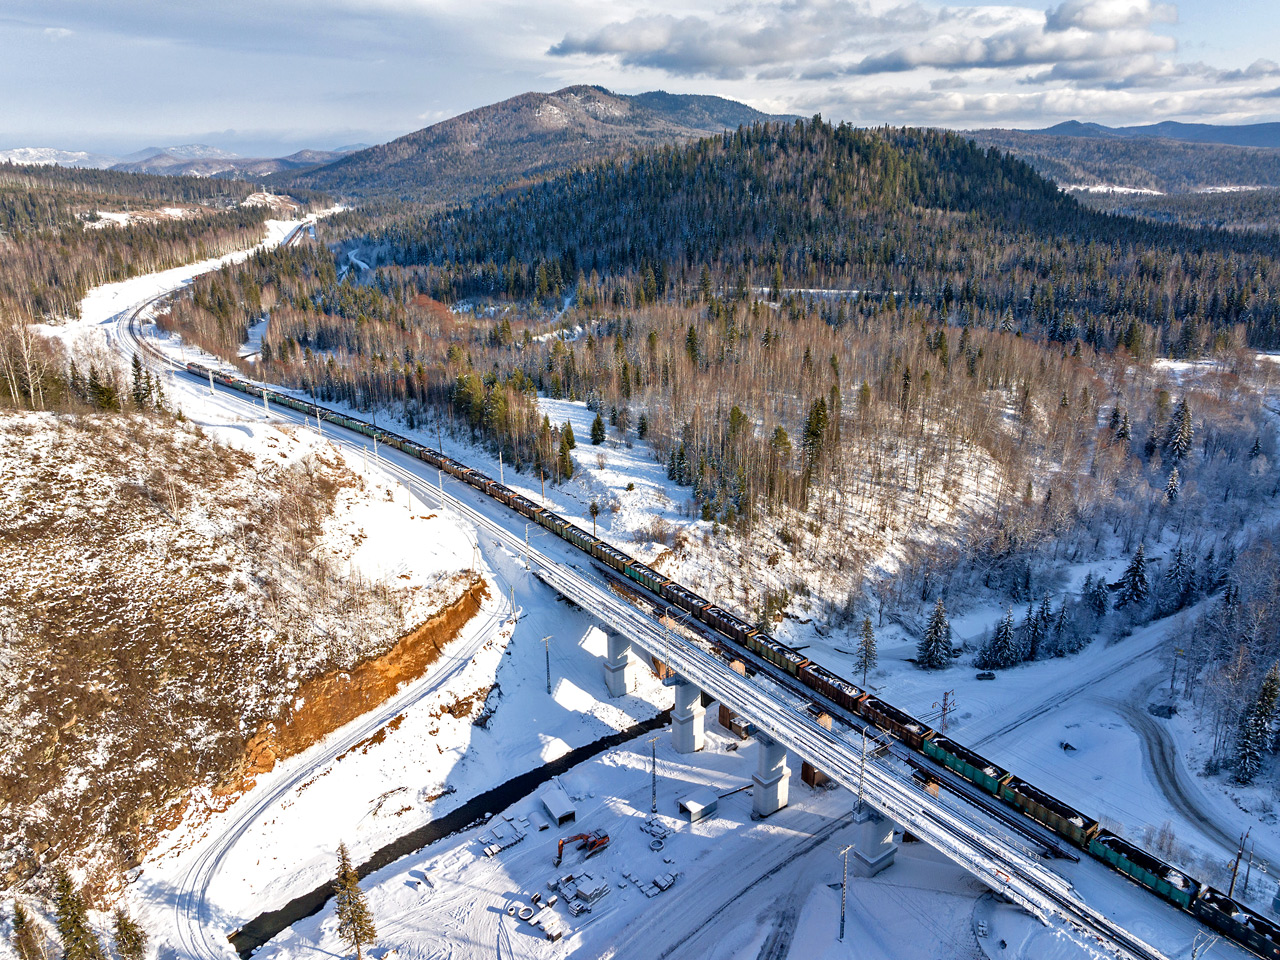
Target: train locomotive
{"x": 1215, "y": 909}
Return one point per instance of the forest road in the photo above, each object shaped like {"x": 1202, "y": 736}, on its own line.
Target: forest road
{"x": 1060, "y": 697}
{"x": 1170, "y": 773}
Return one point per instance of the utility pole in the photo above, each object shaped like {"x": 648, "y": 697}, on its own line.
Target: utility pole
{"x": 862, "y": 767}
{"x": 265, "y": 409}
{"x": 947, "y": 706}
{"x": 844, "y": 886}
{"x": 1244, "y": 838}
{"x": 502, "y": 477}
{"x": 210, "y": 382}
{"x": 547, "y": 646}
{"x": 439, "y": 445}
{"x": 1201, "y": 945}
{"x": 542, "y": 475}
{"x": 653, "y": 769}
{"x": 1247, "y": 871}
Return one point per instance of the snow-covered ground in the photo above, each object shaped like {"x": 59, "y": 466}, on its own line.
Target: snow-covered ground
{"x": 394, "y": 781}
{"x": 743, "y": 888}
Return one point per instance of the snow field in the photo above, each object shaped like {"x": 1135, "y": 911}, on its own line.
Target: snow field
{"x": 741, "y": 883}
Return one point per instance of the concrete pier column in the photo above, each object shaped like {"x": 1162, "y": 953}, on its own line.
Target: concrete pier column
{"x": 687, "y": 731}
{"x": 808, "y": 772}
{"x": 733, "y": 723}
{"x": 771, "y": 777}
{"x": 620, "y": 666}
{"x": 873, "y": 846}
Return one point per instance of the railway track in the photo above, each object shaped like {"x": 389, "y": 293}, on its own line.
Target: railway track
{"x": 962, "y": 835}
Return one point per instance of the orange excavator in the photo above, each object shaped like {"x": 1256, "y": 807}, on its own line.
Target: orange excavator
{"x": 592, "y": 842}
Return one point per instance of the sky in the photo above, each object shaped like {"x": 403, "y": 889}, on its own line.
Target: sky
{"x": 266, "y": 77}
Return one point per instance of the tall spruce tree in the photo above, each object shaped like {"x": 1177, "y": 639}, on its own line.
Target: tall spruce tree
{"x": 130, "y": 939}
{"x": 79, "y": 942}
{"x": 28, "y": 939}
{"x": 1180, "y": 433}
{"x": 597, "y": 430}
{"x": 567, "y": 433}
{"x": 1254, "y": 734}
{"x": 934, "y": 649}
{"x": 356, "y": 928}
{"x": 1172, "y": 488}
{"x": 867, "y": 657}
{"x": 1002, "y": 649}
{"x": 139, "y": 387}
{"x": 1134, "y": 587}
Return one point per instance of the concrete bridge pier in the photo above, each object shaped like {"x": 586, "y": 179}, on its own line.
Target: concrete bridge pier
{"x": 873, "y": 845}
{"x": 620, "y": 666}
{"x": 771, "y": 777}
{"x": 687, "y": 730}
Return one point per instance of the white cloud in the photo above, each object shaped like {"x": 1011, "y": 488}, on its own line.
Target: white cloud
{"x": 1109, "y": 14}
{"x": 57, "y": 33}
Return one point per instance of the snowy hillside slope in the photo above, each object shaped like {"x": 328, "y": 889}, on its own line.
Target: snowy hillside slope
{"x": 162, "y": 596}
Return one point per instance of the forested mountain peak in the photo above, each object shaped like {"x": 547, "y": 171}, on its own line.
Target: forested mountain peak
{"x": 524, "y": 138}
{"x": 751, "y": 194}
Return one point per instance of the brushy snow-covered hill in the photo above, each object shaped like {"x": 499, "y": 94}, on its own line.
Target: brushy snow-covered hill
{"x": 162, "y": 596}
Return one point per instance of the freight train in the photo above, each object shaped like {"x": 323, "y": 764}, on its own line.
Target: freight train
{"x": 1229, "y": 917}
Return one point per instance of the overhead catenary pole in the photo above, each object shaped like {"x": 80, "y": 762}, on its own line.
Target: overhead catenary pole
{"x": 653, "y": 771}
{"x": 1235, "y": 867}
{"x": 547, "y": 646}
{"x": 844, "y": 886}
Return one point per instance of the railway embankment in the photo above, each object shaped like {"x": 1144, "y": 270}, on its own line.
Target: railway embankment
{"x": 332, "y": 700}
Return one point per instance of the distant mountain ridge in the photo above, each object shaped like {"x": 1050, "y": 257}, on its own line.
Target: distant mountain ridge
{"x": 190, "y": 159}
{"x": 526, "y": 138}
{"x": 1236, "y": 135}
{"x": 1092, "y": 156}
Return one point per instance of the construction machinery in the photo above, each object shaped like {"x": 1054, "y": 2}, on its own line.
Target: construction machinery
{"x": 592, "y": 842}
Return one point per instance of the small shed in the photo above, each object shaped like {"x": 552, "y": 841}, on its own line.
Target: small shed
{"x": 699, "y": 804}
{"x": 558, "y": 805}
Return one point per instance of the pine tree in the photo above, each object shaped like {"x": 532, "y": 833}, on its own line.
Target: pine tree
{"x": 139, "y": 388}
{"x": 642, "y": 427}
{"x": 934, "y": 649}
{"x": 1179, "y": 582}
{"x": 1253, "y": 736}
{"x": 28, "y": 940}
{"x": 131, "y": 939}
{"x": 1133, "y": 585}
{"x": 1171, "y": 488}
{"x": 1002, "y": 649}
{"x": 1180, "y": 433}
{"x": 1256, "y": 450}
{"x": 79, "y": 942}
{"x": 567, "y": 432}
{"x": 355, "y": 920}
{"x": 867, "y": 657}
{"x": 1039, "y": 628}
{"x": 815, "y": 430}
{"x": 594, "y": 510}
{"x": 1124, "y": 433}
{"x": 565, "y": 458}
{"x": 597, "y": 430}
